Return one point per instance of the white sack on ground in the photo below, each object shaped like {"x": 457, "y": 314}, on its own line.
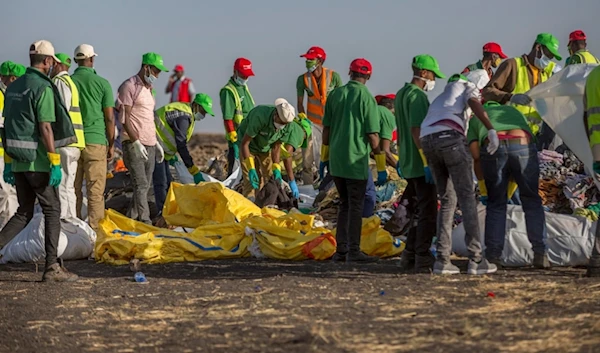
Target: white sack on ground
{"x": 8, "y": 199}
{"x": 559, "y": 101}
{"x": 76, "y": 242}
{"x": 186, "y": 178}
{"x": 569, "y": 238}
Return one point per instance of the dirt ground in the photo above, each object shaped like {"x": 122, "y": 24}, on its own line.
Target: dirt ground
{"x": 265, "y": 306}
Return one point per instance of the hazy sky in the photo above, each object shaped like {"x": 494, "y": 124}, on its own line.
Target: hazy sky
{"x": 206, "y": 36}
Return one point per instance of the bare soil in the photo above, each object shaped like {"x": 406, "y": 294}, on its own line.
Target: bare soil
{"x": 266, "y": 306}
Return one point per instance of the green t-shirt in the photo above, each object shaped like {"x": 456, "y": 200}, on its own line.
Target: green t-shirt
{"x": 294, "y": 135}
{"x": 350, "y": 113}
{"x": 228, "y": 101}
{"x": 387, "y": 121}
{"x": 336, "y": 81}
{"x": 411, "y": 107}
{"x": 44, "y": 113}
{"x": 95, "y": 94}
{"x": 503, "y": 118}
{"x": 259, "y": 126}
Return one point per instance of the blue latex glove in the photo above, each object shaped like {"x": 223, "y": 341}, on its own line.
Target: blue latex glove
{"x": 254, "y": 180}
{"x": 381, "y": 178}
{"x": 484, "y": 200}
{"x": 277, "y": 175}
{"x": 9, "y": 176}
{"x": 198, "y": 178}
{"x": 55, "y": 176}
{"x": 399, "y": 170}
{"x": 428, "y": 176}
{"x": 322, "y": 167}
{"x": 236, "y": 151}
{"x": 173, "y": 160}
{"x": 295, "y": 191}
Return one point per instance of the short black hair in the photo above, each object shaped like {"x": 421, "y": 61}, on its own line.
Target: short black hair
{"x": 487, "y": 54}
{"x": 37, "y": 59}
{"x": 354, "y": 75}
{"x": 387, "y": 102}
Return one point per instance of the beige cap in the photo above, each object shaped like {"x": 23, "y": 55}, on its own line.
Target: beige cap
{"x": 285, "y": 110}
{"x": 43, "y": 47}
{"x": 84, "y": 51}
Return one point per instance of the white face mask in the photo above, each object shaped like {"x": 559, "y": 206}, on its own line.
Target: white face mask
{"x": 429, "y": 84}
{"x": 241, "y": 81}
{"x": 150, "y": 78}
{"x": 278, "y": 126}
{"x": 199, "y": 116}
{"x": 542, "y": 62}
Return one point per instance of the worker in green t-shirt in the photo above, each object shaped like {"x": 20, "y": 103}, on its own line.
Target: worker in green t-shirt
{"x": 296, "y": 136}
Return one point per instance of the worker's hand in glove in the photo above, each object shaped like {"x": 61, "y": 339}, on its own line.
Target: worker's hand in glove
{"x": 232, "y": 136}
{"x": 426, "y": 169}
{"x": 173, "y": 160}
{"x": 277, "y": 172}
{"x": 493, "y": 141}
{"x": 140, "y": 150}
{"x": 521, "y": 99}
{"x": 302, "y": 115}
{"x": 8, "y": 175}
{"x": 324, "y": 161}
{"x": 55, "y": 171}
{"x": 381, "y": 172}
{"x": 482, "y": 192}
{"x": 252, "y": 174}
{"x": 399, "y": 171}
{"x": 195, "y": 171}
{"x": 160, "y": 153}
{"x": 236, "y": 151}
{"x": 295, "y": 191}
{"x": 483, "y": 199}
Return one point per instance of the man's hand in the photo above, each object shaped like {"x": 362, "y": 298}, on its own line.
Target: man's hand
{"x": 55, "y": 171}
{"x": 520, "y": 99}
{"x": 277, "y": 172}
{"x": 110, "y": 153}
{"x": 173, "y": 160}
{"x": 160, "y": 153}
{"x": 294, "y": 188}
{"x": 381, "y": 172}
{"x": 493, "y": 141}
{"x": 140, "y": 150}
{"x": 9, "y": 176}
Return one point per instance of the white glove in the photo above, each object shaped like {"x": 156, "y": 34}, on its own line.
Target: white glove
{"x": 160, "y": 153}
{"x": 493, "y": 141}
{"x": 140, "y": 150}
{"x": 521, "y": 99}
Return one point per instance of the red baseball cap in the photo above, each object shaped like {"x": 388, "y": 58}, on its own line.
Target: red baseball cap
{"x": 315, "y": 53}
{"x": 492, "y": 47}
{"x": 362, "y": 66}
{"x": 178, "y": 68}
{"x": 577, "y": 35}
{"x": 380, "y": 96}
{"x": 244, "y": 67}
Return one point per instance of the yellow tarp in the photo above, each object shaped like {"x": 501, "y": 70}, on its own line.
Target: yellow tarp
{"x": 377, "y": 241}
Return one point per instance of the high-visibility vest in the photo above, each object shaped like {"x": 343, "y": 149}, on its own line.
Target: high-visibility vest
{"x": 166, "y": 135}
{"x": 587, "y": 57}
{"x": 592, "y": 96}
{"x": 238, "y": 115}
{"x": 522, "y": 86}
{"x": 183, "y": 94}
{"x": 1, "y": 117}
{"x": 315, "y": 103}
{"x": 75, "y": 111}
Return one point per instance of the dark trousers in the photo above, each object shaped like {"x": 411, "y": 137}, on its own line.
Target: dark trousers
{"x": 161, "y": 178}
{"x": 32, "y": 185}
{"x": 545, "y": 137}
{"x": 349, "y": 221}
{"x": 230, "y": 158}
{"x": 422, "y": 198}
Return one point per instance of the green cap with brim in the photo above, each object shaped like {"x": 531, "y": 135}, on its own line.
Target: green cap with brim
{"x": 427, "y": 62}
{"x": 154, "y": 60}
{"x": 9, "y": 68}
{"x": 64, "y": 59}
{"x": 550, "y": 42}
{"x": 205, "y": 102}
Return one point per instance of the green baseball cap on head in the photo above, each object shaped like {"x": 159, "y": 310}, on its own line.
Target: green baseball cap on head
{"x": 550, "y": 42}
{"x": 64, "y": 59}
{"x": 427, "y": 62}
{"x": 9, "y": 68}
{"x": 205, "y": 102}
{"x": 154, "y": 60}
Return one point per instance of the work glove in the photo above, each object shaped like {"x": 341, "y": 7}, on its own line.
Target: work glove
{"x": 512, "y": 188}
{"x": 295, "y": 191}
{"x": 493, "y": 141}
{"x": 9, "y": 176}
{"x": 302, "y": 115}
{"x": 252, "y": 174}
{"x": 195, "y": 171}
{"x": 426, "y": 169}
{"x": 232, "y": 136}
{"x": 140, "y": 150}
{"x": 160, "y": 153}
{"x": 483, "y": 194}
{"x": 324, "y": 161}
{"x": 173, "y": 160}
{"x": 55, "y": 171}
{"x": 399, "y": 171}
{"x": 520, "y": 99}
{"x": 236, "y": 151}
{"x": 381, "y": 172}
{"x": 277, "y": 172}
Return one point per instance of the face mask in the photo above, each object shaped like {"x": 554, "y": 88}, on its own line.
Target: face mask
{"x": 497, "y": 62}
{"x": 150, "y": 78}
{"x": 199, "y": 116}
{"x": 429, "y": 84}
{"x": 311, "y": 65}
{"x": 240, "y": 81}
{"x": 542, "y": 63}
{"x": 278, "y": 126}
{"x": 50, "y": 70}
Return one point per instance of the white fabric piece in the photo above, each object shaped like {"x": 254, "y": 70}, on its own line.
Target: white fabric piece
{"x": 185, "y": 177}
{"x": 69, "y": 157}
{"x": 317, "y": 141}
{"x": 480, "y": 78}
{"x": 64, "y": 90}
{"x": 8, "y": 198}
{"x": 570, "y": 239}
{"x": 76, "y": 242}
{"x": 559, "y": 101}
{"x": 307, "y": 196}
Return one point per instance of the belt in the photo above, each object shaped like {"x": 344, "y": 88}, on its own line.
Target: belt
{"x": 446, "y": 133}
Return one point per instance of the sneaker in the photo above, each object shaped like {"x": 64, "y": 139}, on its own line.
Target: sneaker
{"x": 361, "y": 257}
{"x": 496, "y": 261}
{"x": 407, "y": 262}
{"x": 424, "y": 264}
{"x": 58, "y": 273}
{"x": 541, "y": 261}
{"x": 593, "y": 272}
{"x": 338, "y": 257}
{"x": 445, "y": 268}
{"x": 481, "y": 268}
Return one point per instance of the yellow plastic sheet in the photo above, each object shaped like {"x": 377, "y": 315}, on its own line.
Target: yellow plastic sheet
{"x": 376, "y": 241}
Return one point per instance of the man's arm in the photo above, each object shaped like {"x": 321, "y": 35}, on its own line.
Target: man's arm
{"x": 227, "y": 109}
{"x": 246, "y": 146}
{"x": 390, "y": 158}
{"x": 133, "y": 136}
{"x": 287, "y": 163}
{"x": 47, "y": 136}
{"x": 300, "y": 94}
{"x": 109, "y": 120}
{"x": 480, "y": 113}
{"x": 192, "y": 90}
{"x": 169, "y": 87}
{"x": 276, "y": 152}
{"x": 46, "y": 115}
{"x": 374, "y": 142}
{"x": 500, "y": 87}
{"x": 180, "y": 126}
{"x": 474, "y": 147}
{"x": 325, "y": 136}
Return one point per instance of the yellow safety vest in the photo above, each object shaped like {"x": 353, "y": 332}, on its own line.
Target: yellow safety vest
{"x": 75, "y": 111}
{"x": 592, "y": 96}
{"x": 238, "y": 116}
{"x": 166, "y": 135}
{"x": 1, "y": 117}
{"x": 522, "y": 86}
{"x": 587, "y": 57}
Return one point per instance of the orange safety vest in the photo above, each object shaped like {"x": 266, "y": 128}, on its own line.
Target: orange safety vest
{"x": 315, "y": 107}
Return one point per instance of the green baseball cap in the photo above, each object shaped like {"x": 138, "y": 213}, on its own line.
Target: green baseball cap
{"x": 154, "y": 60}
{"x": 550, "y": 42}
{"x": 64, "y": 59}
{"x": 9, "y": 68}
{"x": 427, "y": 62}
{"x": 205, "y": 102}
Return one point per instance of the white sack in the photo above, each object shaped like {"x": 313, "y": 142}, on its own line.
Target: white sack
{"x": 8, "y": 199}
{"x": 231, "y": 182}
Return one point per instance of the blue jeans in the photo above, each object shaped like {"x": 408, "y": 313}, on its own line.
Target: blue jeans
{"x": 520, "y": 162}
{"x": 370, "y": 198}
{"x": 161, "y": 178}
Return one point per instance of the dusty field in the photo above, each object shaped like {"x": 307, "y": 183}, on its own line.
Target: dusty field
{"x": 252, "y": 306}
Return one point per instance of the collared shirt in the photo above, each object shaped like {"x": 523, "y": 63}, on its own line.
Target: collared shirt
{"x": 134, "y": 93}
{"x": 180, "y": 122}
{"x": 175, "y": 89}
{"x": 501, "y": 86}
{"x": 63, "y": 89}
